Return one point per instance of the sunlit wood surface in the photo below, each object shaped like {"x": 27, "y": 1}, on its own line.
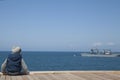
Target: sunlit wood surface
{"x": 65, "y": 75}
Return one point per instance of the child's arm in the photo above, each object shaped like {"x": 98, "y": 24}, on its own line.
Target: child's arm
{"x": 3, "y": 66}
{"x": 24, "y": 67}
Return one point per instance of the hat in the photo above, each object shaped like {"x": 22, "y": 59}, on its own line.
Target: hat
{"x": 16, "y": 49}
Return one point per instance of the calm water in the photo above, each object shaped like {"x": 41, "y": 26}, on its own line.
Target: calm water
{"x": 51, "y": 61}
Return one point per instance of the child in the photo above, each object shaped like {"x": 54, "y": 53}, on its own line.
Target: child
{"x": 14, "y": 64}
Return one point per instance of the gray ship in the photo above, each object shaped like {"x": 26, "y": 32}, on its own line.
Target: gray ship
{"x": 98, "y": 53}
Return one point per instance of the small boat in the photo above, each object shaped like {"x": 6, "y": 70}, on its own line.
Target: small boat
{"x": 98, "y": 53}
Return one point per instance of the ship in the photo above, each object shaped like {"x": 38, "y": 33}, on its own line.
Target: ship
{"x": 98, "y": 53}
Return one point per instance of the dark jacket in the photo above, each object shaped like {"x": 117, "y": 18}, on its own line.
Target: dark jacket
{"x": 14, "y": 63}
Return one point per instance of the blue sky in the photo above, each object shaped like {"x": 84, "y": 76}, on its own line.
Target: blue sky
{"x": 59, "y": 25}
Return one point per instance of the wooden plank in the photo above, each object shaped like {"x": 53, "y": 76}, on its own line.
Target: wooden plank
{"x": 101, "y": 77}
{"x": 19, "y": 77}
{"x": 13, "y": 78}
{"x": 49, "y": 77}
{"x": 24, "y": 77}
{"x": 2, "y": 77}
{"x": 118, "y": 75}
{"x": 112, "y": 76}
{"x": 58, "y": 76}
{"x": 43, "y": 77}
{"x": 34, "y": 77}
{"x": 89, "y": 76}
{"x": 108, "y": 77}
{"x": 29, "y": 77}
{"x": 68, "y": 75}
{"x": 8, "y": 77}
{"x": 72, "y": 77}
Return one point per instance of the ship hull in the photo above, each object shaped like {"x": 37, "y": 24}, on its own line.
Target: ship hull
{"x": 99, "y": 55}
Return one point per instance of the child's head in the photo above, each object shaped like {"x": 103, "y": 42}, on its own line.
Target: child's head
{"x": 16, "y": 49}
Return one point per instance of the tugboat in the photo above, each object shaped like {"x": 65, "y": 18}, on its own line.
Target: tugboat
{"x": 97, "y": 53}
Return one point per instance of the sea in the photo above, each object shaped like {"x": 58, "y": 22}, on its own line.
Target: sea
{"x": 64, "y": 61}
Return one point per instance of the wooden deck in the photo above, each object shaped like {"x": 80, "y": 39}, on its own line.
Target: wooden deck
{"x": 66, "y": 75}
